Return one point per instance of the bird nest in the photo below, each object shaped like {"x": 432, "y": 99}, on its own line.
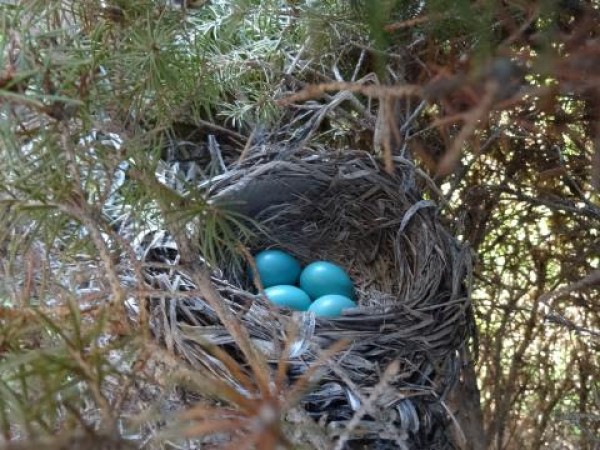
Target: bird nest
{"x": 411, "y": 277}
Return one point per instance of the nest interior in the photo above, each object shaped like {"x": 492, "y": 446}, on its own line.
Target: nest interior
{"x": 411, "y": 277}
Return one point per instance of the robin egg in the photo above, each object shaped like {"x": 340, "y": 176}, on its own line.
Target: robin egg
{"x": 323, "y": 278}
{"x": 331, "y": 305}
{"x": 277, "y": 267}
{"x": 286, "y": 296}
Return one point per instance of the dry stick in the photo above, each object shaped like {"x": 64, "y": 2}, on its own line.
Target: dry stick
{"x": 413, "y": 116}
{"x": 590, "y": 280}
{"x": 405, "y": 129}
{"x": 296, "y": 59}
{"x": 28, "y": 281}
{"x": 221, "y": 129}
{"x": 358, "y": 106}
{"x": 589, "y": 211}
{"x": 354, "y": 102}
{"x": 392, "y": 130}
{"x": 465, "y": 169}
{"x": 317, "y": 119}
{"x": 430, "y": 183}
{"x": 521, "y": 30}
{"x": 361, "y": 58}
{"x": 525, "y": 93}
{"x": 379, "y": 129}
{"x": 316, "y": 90}
{"x": 385, "y": 94}
{"x": 386, "y": 104}
{"x": 248, "y": 145}
{"x": 471, "y": 118}
{"x": 563, "y": 321}
{"x": 406, "y": 24}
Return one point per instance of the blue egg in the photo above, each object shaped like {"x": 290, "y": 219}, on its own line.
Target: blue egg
{"x": 331, "y": 305}
{"x": 288, "y": 297}
{"x": 323, "y": 278}
{"x": 276, "y": 267}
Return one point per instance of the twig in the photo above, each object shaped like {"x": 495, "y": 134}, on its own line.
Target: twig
{"x": 387, "y": 106}
{"x": 215, "y": 153}
{"x": 248, "y": 145}
{"x": 317, "y": 90}
{"x": 591, "y": 212}
{"x": 590, "y": 280}
{"x": 406, "y": 23}
{"x": 456, "y": 181}
{"x": 359, "y": 64}
{"x": 224, "y": 130}
{"x": 471, "y": 118}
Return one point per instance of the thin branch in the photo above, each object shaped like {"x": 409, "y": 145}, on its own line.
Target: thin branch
{"x": 317, "y": 90}
{"x": 589, "y": 281}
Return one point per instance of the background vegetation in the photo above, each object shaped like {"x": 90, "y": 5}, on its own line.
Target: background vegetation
{"x": 499, "y": 102}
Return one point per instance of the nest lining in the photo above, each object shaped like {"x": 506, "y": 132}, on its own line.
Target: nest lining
{"x": 410, "y": 276}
